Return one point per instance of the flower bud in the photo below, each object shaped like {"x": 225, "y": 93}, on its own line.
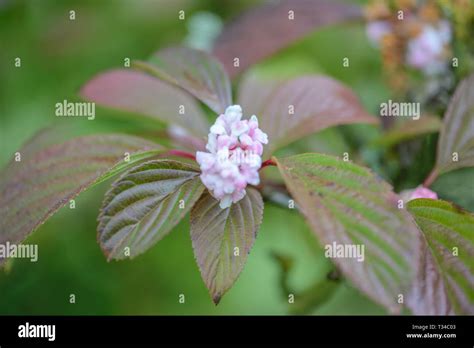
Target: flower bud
{"x": 235, "y": 148}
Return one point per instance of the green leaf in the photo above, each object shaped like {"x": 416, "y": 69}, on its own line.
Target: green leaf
{"x": 348, "y": 205}
{"x": 222, "y": 238}
{"x": 409, "y": 129}
{"x": 449, "y": 231}
{"x": 448, "y": 187}
{"x": 457, "y": 132}
{"x": 266, "y": 29}
{"x": 134, "y": 91}
{"x": 193, "y": 70}
{"x": 144, "y": 205}
{"x": 290, "y": 110}
{"x": 50, "y": 174}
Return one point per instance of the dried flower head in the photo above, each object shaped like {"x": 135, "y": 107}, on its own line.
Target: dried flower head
{"x": 409, "y": 34}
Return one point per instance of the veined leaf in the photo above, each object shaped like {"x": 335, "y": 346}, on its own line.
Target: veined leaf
{"x": 265, "y": 30}
{"x": 144, "y": 205}
{"x": 255, "y": 92}
{"x": 347, "y": 205}
{"x": 49, "y": 176}
{"x": 449, "y": 232}
{"x": 293, "y": 109}
{"x": 194, "y": 71}
{"x": 456, "y": 141}
{"x": 222, "y": 238}
{"x": 448, "y": 187}
{"x": 428, "y": 295}
{"x": 135, "y": 91}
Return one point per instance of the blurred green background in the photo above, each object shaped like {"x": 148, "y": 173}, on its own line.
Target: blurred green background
{"x": 58, "y": 56}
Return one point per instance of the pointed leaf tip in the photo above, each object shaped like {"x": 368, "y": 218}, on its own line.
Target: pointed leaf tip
{"x": 222, "y": 239}
{"x": 195, "y": 71}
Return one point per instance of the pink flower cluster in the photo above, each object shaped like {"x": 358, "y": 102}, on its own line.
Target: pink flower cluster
{"x": 426, "y": 51}
{"x": 235, "y": 155}
{"x": 423, "y": 192}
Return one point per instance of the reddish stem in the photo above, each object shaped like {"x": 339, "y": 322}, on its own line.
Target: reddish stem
{"x": 431, "y": 178}
{"x": 180, "y": 153}
{"x": 268, "y": 162}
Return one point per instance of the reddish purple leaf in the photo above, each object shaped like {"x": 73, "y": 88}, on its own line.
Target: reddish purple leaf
{"x": 293, "y": 109}
{"x": 449, "y": 234}
{"x": 195, "y": 71}
{"x": 222, "y": 238}
{"x": 428, "y": 295}
{"x": 145, "y": 204}
{"x": 456, "y": 139}
{"x": 50, "y": 174}
{"x": 348, "y": 205}
{"x": 267, "y": 29}
{"x": 135, "y": 91}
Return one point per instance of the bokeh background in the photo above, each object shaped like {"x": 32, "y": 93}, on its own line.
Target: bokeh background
{"x": 59, "y": 55}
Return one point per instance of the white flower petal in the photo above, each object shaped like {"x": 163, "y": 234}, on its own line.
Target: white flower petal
{"x": 233, "y": 114}
{"x": 218, "y": 129}
{"x": 225, "y": 202}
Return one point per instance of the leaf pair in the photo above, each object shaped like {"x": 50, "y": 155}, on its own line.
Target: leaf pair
{"x": 47, "y": 174}
{"x": 287, "y": 110}
{"x": 444, "y": 283}
{"x": 445, "y": 280}
{"x": 149, "y": 200}
{"x": 142, "y": 206}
